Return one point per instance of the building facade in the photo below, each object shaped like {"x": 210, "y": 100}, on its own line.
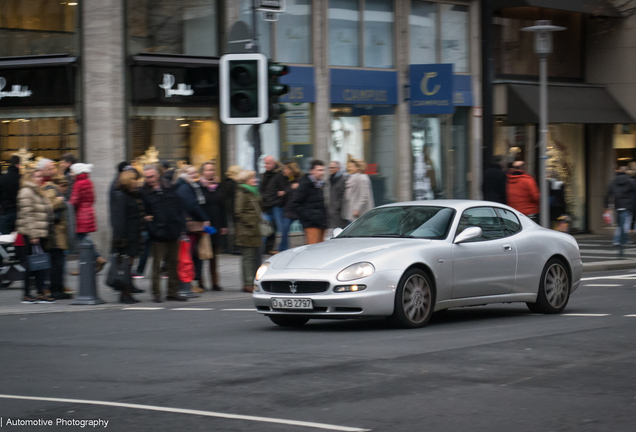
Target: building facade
{"x": 392, "y": 82}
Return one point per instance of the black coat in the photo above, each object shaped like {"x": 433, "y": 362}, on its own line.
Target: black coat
{"x": 271, "y": 183}
{"x": 190, "y": 201}
{"x": 9, "y": 187}
{"x": 214, "y": 207}
{"x": 309, "y": 204}
{"x": 494, "y": 184}
{"x": 125, "y": 218}
{"x": 622, "y": 189}
{"x": 165, "y": 208}
{"x": 288, "y": 197}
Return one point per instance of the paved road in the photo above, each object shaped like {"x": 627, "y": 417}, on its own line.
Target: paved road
{"x": 495, "y": 368}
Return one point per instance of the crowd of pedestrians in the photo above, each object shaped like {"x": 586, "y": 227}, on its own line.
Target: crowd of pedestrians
{"x": 50, "y": 207}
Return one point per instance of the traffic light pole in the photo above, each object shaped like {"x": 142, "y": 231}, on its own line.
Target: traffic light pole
{"x": 256, "y": 129}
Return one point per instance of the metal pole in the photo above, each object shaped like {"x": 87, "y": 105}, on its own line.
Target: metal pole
{"x": 255, "y": 36}
{"x": 543, "y": 150}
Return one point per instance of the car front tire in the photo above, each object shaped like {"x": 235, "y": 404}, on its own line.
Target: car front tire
{"x": 554, "y": 288}
{"x": 288, "y": 321}
{"x": 414, "y": 300}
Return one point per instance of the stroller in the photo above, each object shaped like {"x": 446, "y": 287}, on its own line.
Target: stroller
{"x": 11, "y": 269}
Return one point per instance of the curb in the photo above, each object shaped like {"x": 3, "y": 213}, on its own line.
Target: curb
{"x": 609, "y": 265}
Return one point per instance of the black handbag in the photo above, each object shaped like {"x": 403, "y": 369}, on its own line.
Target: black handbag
{"x": 38, "y": 260}
{"x": 119, "y": 272}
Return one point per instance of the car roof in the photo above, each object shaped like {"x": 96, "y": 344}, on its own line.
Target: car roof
{"x": 459, "y": 205}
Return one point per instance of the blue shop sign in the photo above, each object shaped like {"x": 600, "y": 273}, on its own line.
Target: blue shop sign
{"x": 462, "y": 90}
{"x": 363, "y": 87}
{"x": 300, "y": 80}
{"x": 431, "y": 89}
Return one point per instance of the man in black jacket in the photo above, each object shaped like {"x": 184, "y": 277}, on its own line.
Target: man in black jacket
{"x": 493, "y": 186}
{"x": 271, "y": 187}
{"x": 9, "y": 187}
{"x": 622, "y": 189}
{"x": 309, "y": 203}
{"x": 165, "y": 223}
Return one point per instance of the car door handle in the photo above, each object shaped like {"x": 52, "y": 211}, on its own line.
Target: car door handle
{"x": 507, "y": 248}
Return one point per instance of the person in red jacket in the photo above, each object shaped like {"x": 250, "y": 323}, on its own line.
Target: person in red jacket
{"x": 82, "y": 198}
{"x": 522, "y": 192}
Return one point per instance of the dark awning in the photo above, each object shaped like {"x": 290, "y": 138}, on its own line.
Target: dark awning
{"x": 566, "y": 104}
{"x": 592, "y": 7}
{"x": 37, "y": 61}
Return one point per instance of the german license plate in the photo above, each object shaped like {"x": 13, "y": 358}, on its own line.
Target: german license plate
{"x": 291, "y": 303}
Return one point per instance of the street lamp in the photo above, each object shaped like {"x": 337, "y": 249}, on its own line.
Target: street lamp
{"x": 542, "y": 30}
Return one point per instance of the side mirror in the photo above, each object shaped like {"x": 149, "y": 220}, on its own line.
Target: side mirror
{"x": 336, "y": 232}
{"x": 469, "y": 233}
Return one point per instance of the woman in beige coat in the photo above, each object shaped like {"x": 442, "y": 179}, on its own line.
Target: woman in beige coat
{"x": 35, "y": 214}
{"x": 358, "y": 196}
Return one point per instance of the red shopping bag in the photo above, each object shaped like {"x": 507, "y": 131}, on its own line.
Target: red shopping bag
{"x": 185, "y": 266}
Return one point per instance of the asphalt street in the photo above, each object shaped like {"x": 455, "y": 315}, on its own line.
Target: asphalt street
{"x": 219, "y": 366}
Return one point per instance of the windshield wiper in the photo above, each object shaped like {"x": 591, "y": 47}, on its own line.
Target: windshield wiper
{"x": 393, "y": 235}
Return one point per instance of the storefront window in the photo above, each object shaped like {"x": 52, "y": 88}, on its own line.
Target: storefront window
{"x": 366, "y": 132}
{"x": 293, "y": 33}
{"x": 428, "y": 144}
{"x": 344, "y": 33}
{"x": 460, "y": 153}
{"x": 186, "y": 135}
{"x": 423, "y": 30}
{"x": 36, "y": 27}
{"x": 165, "y": 26}
{"x": 378, "y": 33}
{"x": 454, "y": 29}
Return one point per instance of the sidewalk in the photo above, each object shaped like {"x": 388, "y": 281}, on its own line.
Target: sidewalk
{"x": 599, "y": 254}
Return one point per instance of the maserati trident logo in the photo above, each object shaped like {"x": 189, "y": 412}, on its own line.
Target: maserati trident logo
{"x": 293, "y": 287}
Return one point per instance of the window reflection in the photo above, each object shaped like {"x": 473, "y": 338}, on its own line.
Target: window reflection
{"x": 344, "y": 19}
{"x": 378, "y": 33}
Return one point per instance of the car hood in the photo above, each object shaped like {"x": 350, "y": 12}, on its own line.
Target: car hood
{"x": 338, "y": 253}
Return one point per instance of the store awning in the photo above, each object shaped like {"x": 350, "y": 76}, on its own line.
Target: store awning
{"x": 566, "y": 104}
{"x": 37, "y": 61}
{"x": 592, "y": 7}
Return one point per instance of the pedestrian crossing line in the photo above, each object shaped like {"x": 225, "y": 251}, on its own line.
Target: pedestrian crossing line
{"x": 192, "y": 309}
{"x": 142, "y": 308}
{"x": 239, "y": 310}
{"x": 586, "y": 315}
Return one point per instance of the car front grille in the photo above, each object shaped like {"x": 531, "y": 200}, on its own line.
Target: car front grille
{"x": 295, "y": 287}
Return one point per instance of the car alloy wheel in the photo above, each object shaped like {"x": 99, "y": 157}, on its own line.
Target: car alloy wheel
{"x": 414, "y": 301}
{"x": 554, "y": 290}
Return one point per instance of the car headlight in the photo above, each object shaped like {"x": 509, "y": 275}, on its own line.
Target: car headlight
{"x": 261, "y": 270}
{"x": 356, "y": 271}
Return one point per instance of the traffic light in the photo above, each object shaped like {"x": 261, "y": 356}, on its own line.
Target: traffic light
{"x": 243, "y": 88}
{"x": 276, "y": 90}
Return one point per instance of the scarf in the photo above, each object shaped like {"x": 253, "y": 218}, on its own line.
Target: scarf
{"x": 317, "y": 183}
{"x": 252, "y": 189}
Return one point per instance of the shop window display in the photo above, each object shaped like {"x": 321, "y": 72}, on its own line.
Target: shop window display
{"x": 428, "y": 157}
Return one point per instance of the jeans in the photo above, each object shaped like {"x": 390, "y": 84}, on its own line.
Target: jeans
{"x": 82, "y": 236}
{"x": 275, "y": 214}
{"x": 623, "y": 218}
{"x": 7, "y": 223}
{"x": 284, "y": 235}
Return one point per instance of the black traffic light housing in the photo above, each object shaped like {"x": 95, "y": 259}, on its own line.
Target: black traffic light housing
{"x": 276, "y": 90}
{"x": 243, "y": 81}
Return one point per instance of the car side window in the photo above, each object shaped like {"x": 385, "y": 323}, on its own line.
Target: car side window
{"x": 510, "y": 221}
{"x": 484, "y": 218}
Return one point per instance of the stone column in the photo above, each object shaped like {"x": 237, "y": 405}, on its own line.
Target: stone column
{"x": 103, "y": 100}
{"x": 321, "y": 69}
{"x": 403, "y": 158}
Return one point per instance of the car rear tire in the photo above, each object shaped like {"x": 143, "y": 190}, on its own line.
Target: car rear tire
{"x": 414, "y": 300}
{"x": 554, "y": 288}
{"x": 288, "y": 321}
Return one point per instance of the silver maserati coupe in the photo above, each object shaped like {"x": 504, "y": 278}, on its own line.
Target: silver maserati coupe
{"x": 407, "y": 260}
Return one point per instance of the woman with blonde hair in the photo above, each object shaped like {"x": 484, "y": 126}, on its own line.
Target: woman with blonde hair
{"x": 192, "y": 200}
{"x": 247, "y": 214}
{"x": 34, "y": 217}
{"x": 292, "y": 174}
{"x": 358, "y": 197}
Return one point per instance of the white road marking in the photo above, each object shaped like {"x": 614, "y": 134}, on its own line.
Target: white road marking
{"x": 630, "y": 316}
{"x": 239, "y": 310}
{"x": 142, "y": 308}
{"x": 193, "y": 309}
{"x": 602, "y": 285}
{"x": 191, "y": 412}
{"x": 586, "y": 315}
{"x": 620, "y": 277}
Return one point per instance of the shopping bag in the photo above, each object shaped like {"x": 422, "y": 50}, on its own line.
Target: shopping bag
{"x": 205, "y": 247}
{"x": 38, "y": 260}
{"x": 185, "y": 265}
{"x": 119, "y": 272}
{"x": 265, "y": 227}
{"x": 608, "y": 217}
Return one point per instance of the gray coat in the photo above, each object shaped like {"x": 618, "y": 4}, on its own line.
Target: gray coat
{"x": 358, "y": 196}
{"x": 336, "y": 197}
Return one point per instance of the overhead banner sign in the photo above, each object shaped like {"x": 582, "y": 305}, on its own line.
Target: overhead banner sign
{"x": 431, "y": 89}
{"x": 300, "y": 81}
{"x": 37, "y": 87}
{"x": 175, "y": 86}
{"x": 363, "y": 87}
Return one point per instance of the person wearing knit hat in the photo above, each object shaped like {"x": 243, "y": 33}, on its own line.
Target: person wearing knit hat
{"x": 82, "y": 198}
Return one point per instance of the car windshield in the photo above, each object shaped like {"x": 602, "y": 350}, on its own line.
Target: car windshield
{"x": 407, "y": 221}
